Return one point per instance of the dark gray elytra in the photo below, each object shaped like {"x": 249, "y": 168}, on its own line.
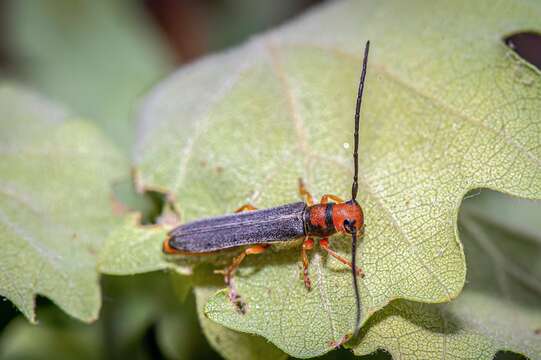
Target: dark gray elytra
{"x": 282, "y": 223}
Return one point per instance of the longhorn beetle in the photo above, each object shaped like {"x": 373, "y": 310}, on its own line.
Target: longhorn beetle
{"x": 260, "y": 228}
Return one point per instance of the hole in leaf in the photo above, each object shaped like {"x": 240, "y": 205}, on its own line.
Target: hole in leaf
{"x": 157, "y": 201}
{"x": 509, "y": 355}
{"x": 527, "y": 45}
{"x": 7, "y": 312}
{"x": 153, "y": 206}
{"x": 346, "y": 354}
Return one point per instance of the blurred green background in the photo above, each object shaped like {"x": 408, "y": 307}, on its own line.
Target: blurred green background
{"x": 99, "y": 58}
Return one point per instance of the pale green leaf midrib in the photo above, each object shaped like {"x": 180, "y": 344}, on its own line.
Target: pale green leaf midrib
{"x": 325, "y": 301}
{"x": 40, "y": 249}
{"x": 296, "y": 118}
{"x": 44, "y": 252}
{"x": 51, "y": 261}
{"x": 203, "y": 123}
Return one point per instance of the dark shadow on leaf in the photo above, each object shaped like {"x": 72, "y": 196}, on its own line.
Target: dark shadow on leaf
{"x": 426, "y": 316}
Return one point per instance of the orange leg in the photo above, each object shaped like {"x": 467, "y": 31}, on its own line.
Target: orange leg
{"x": 324, "y": 244}
{"x": 246, "y": 207}
{"x": 305, "y": 194}
{"x": 325, "y": 199}
{"x": 308, "y": 244}
{"x": 229, "y": 271}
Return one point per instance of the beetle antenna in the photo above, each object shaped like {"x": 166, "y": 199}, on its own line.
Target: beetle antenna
{"x": 355, "y": 186}
{"x": 355, "y": 285}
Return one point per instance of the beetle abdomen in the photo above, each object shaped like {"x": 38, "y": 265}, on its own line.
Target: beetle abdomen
{"x": 281, "y": 223}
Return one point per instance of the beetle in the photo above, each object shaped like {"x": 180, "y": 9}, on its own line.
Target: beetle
{"x": 258, "y": 229}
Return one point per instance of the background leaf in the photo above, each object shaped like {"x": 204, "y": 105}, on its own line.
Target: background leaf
{"x": 52, "y": 337}
{"x": 499, "y": 308}
{"x": 138, "y": 313}
{"x": 448, "y": 109}
{"x": 98, "y": 57}
{"x": 55, "y": 204}
{"x": 126, "y": 250}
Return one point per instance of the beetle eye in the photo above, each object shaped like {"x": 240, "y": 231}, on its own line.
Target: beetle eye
{"x": 349, "y": 226}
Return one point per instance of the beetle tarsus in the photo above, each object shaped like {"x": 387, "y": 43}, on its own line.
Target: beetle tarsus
{"x": 305, "y": 194}
{"x": 229, "y": 272}
{"x": 246, "y": 207}
{"x": 307, "y": 245}
{"x": 342, "y": 341}
{"x": 235, "y": 298}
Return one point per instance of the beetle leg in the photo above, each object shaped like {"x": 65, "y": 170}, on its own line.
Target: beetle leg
{"x": 342, "y": 341}
{"x": 308, "y": 244}
{"x": 246, "y": 207}
{"x": 324, "y": 244}
{"x": 325, "y": 199}
{"x": 305, "y": 194}
{"x": 229, "y": 271}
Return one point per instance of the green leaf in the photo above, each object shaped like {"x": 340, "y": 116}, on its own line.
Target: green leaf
{"x": 55, "y": 204}
{"x": 499, "y": 308}
{"x": 132, "y": 248}
{"x": 232, "y": 345}
{"x": 447, "y": 108}
{"x": 129, "y": 200}
{"x": 96, "y": 56}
